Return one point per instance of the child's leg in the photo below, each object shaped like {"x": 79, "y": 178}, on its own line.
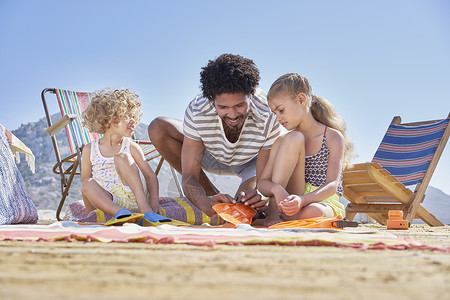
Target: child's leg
{"x": 128, "y": 172}
{"x": 289, "y": 163}
{"x": 313, "y": 210}
{"x": 94, "y": 196}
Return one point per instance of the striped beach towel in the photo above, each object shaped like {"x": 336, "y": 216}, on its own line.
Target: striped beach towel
{"x": 178, "y": 208}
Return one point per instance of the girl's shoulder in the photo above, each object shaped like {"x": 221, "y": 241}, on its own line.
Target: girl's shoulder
{"x": 87, "y": 147}
{"x": 134, "y": 146}
{"x": 334, "y": 136}
{"x": 133, "y": 143}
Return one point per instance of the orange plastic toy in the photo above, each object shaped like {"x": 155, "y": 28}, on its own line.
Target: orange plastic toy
{"x": 235, "y": 213}
{"x": 319, "y": 222}
{"x": 396, "y": 221}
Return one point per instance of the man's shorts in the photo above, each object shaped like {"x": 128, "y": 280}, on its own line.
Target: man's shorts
{"x": 244, "y": 171}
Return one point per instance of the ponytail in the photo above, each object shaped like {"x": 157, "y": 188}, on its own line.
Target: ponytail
{"x": 324, "y": 112}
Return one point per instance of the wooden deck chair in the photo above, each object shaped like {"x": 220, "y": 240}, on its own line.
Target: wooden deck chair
{"x": 407, "y": 156}
{"x": 71, "y": 105}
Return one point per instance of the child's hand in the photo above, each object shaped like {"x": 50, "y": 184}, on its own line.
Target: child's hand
{"x": 291, "y": 205}
{"x": 156, "y": 208}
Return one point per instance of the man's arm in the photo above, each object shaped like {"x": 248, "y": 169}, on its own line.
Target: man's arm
{"x": 191, "y": 162}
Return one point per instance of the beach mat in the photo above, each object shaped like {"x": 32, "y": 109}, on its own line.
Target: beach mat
{"x": 209, "y": 236}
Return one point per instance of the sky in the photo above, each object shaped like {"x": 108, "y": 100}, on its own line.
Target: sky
{"x": 372, "y": 59}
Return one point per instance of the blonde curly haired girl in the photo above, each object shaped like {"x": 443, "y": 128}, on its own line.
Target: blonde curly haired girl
{"x": 115, "y": 176}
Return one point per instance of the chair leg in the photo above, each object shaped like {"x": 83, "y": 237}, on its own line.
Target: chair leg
{"x": 65, "y": 192}
{"x": 158, "y": 168}
{"x": 379, "y": 218}
{"x": 175, "y": 178}
{"x": 350, "y": 216}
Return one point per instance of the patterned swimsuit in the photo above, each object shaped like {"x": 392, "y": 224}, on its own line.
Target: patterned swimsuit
{"x": 104, "y": 172}
{"x": 316, "y": 174}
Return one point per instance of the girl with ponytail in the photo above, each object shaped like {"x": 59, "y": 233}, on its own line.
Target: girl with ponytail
{"x": 303, "y": 176}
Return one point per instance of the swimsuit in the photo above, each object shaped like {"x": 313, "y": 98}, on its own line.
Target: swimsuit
{"x": 104, "y": 172}
{"x": 316, "y": 174}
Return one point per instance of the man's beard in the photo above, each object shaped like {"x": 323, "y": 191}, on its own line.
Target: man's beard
{"x": 235, "y": 128}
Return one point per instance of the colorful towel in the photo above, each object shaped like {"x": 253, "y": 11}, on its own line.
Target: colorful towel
{"x": 179, "y": 208}
{"x": 209, "y": 236}
{"x": 15, "y": 204}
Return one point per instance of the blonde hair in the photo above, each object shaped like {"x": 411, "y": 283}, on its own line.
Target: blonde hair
{"x": 322, "y": 110}
{"x": 109, "y": 107}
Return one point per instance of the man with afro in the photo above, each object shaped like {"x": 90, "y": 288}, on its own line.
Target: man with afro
{"x": 228, "y": 129}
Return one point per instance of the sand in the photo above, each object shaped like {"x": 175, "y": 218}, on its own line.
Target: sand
{"x": 80, "y": 270}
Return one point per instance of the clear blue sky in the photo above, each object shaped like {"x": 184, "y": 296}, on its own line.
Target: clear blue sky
{"x": 372, "y": 59}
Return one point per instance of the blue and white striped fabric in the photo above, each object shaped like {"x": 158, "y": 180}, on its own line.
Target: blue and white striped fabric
{"x": 15, "y": 204}
{"x": 406, "y": 151}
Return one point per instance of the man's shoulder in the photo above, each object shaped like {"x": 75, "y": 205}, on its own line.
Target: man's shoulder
{"x": 260, "y": 108}
{"x": 200, "y": 105}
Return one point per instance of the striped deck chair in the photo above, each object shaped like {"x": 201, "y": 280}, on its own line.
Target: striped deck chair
{"x": 407, "y": 156}
{"x": 72, "y": 104}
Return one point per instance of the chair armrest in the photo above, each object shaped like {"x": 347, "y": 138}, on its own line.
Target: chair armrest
{"x": 60, "y": 124}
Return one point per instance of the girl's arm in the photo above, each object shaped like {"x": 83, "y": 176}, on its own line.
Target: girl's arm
{"x": 149, "y": 175}
{"x": 335, "y": 142}
{"x": 86, "y": 172}
{"x": 86, "y": 167}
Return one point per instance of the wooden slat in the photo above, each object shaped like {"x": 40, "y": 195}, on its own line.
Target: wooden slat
{"x": 357, "y": 167}
{"x": 381, "y": 200}
{"x": 380, "y": 194}
{"x": 364, "y": 187}
{"x": 353, "y": 181}
{"x": 355, "y": 174}
{"x": 57, "y": 126}
{"x": 352, "y": 196}
{"x": 374, "y": 208}
{"x": 387, "y": 183}
{"x": 427, "y": 217}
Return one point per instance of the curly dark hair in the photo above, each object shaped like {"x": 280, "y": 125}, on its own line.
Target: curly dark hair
{"x": 229, "y": 74}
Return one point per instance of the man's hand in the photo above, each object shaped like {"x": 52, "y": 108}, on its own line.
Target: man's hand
{"x": 223, "y": 198}
{"x": 251, "y": 198}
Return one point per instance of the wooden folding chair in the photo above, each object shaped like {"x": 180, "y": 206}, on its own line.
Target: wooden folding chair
{"x": 407, "y": 156}
{"x": 72, "y": 104}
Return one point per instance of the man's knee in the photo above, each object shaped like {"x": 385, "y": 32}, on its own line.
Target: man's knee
{"x": 162, "y": 128}
{"x": 157, "y": 128}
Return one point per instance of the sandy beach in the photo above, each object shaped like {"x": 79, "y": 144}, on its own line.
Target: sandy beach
{"x": 81, "y": 270}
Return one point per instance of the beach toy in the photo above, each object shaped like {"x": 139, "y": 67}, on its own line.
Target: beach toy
{"x": 235, "y": 213}
{"x": 124, "y": 216}
{"x": 396, "y": 221}
{"x": 318, "y": 222}
{"x": 153, "y": 219}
